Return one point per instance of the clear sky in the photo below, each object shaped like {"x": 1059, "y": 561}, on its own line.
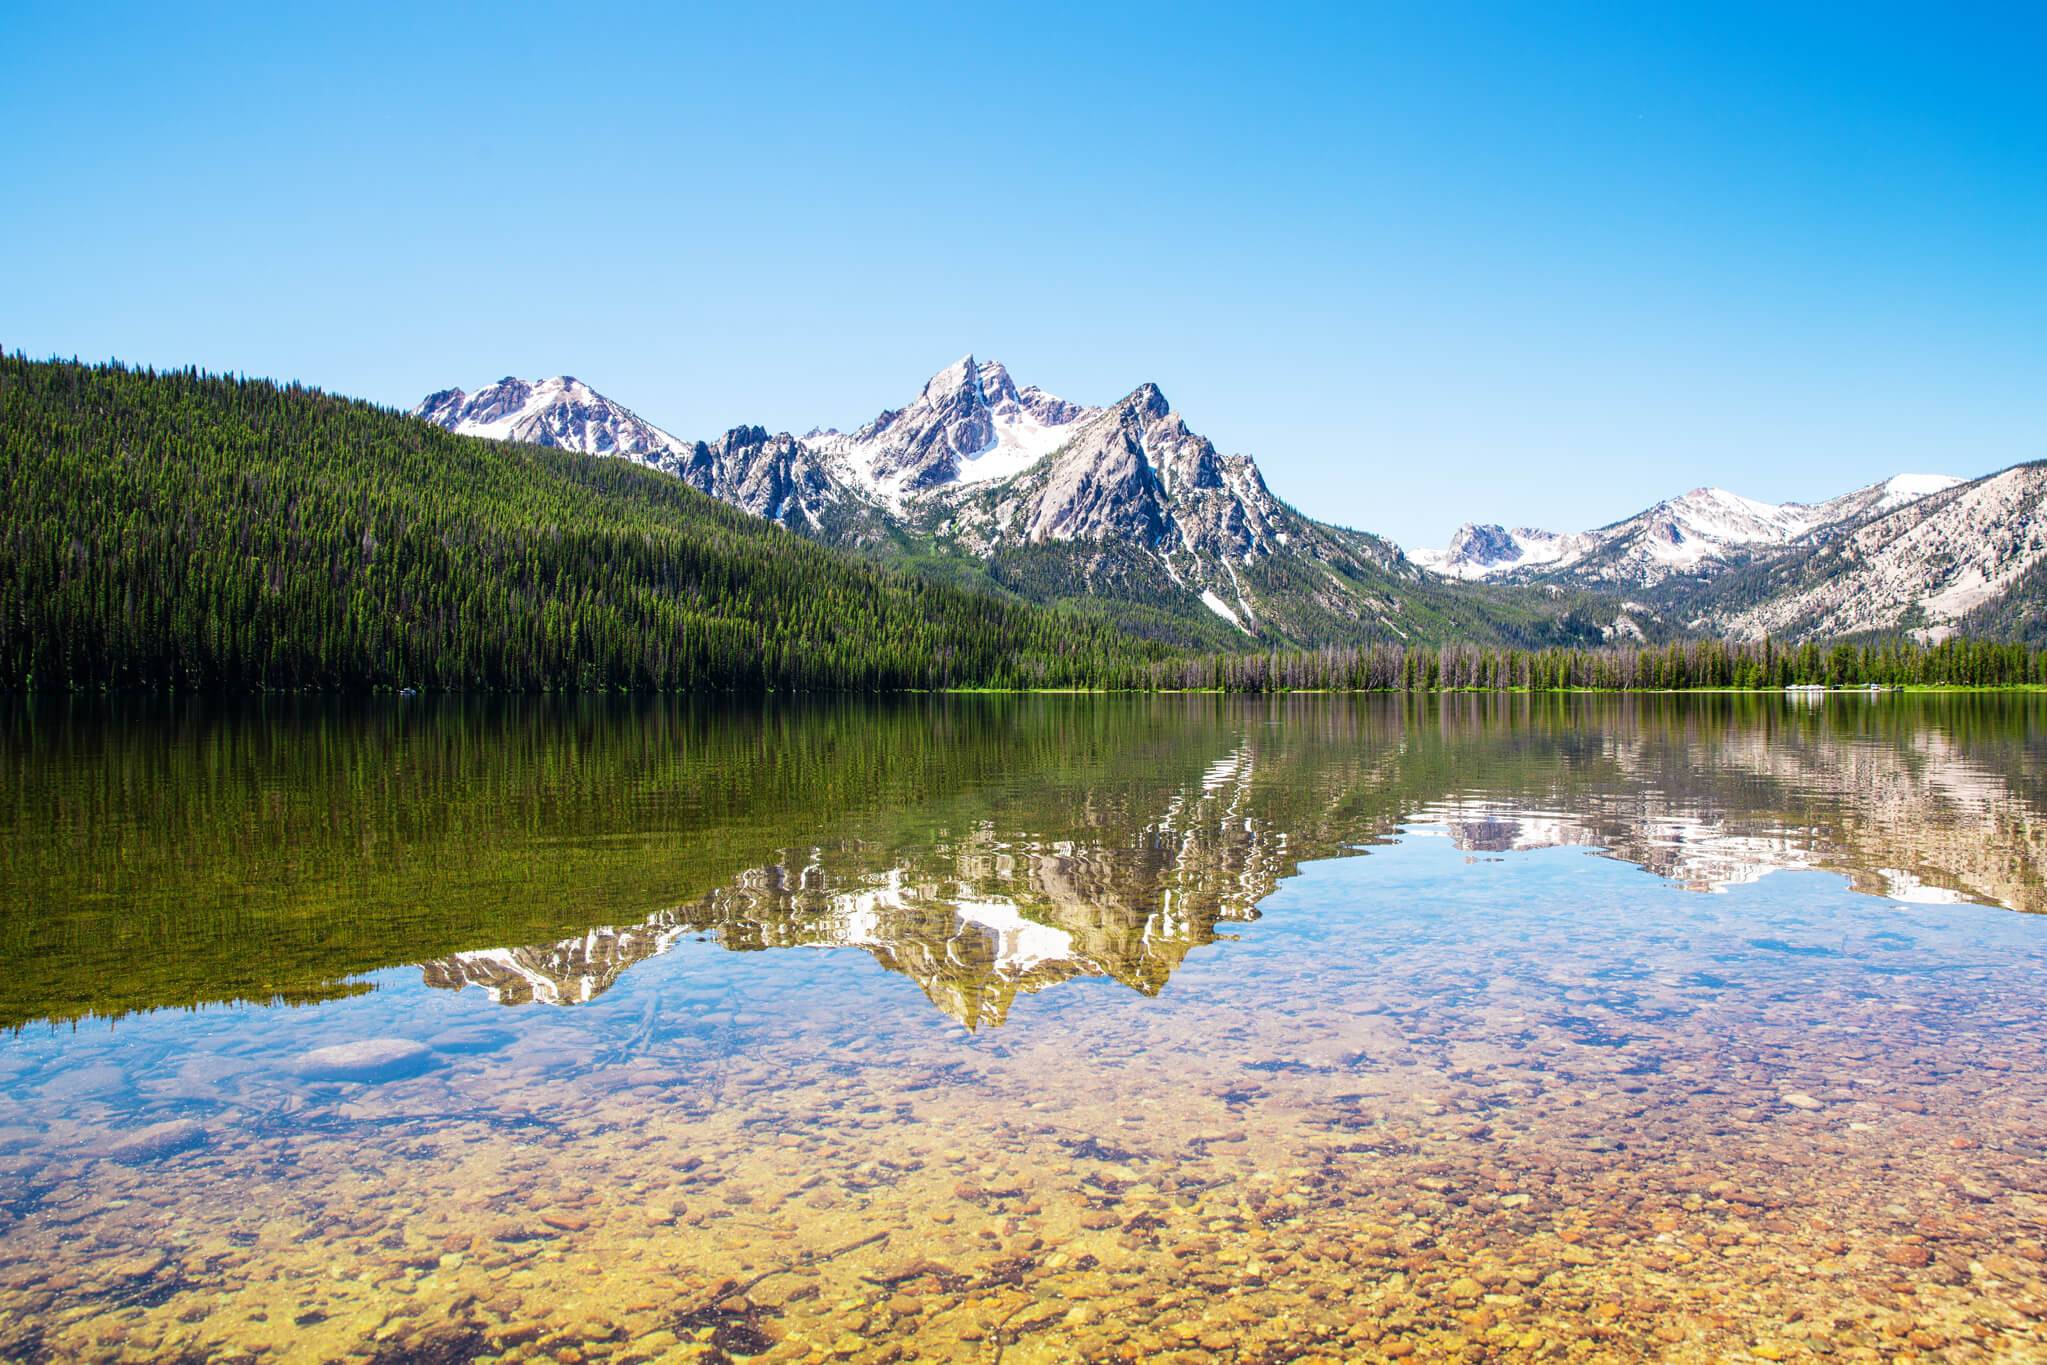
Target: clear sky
{"x": 1429, "y": 263}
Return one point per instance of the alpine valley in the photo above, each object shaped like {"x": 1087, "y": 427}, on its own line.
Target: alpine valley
{"x": 1126, "y": 512}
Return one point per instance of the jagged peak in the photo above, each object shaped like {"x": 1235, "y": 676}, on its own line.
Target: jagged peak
{"x": 996, "y": 384}
{"x": 961, "y": 374}
{"x": 440, "y": 399}
{"x": 1147, "y": 399}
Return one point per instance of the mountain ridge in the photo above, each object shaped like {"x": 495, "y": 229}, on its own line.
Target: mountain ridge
{"x": 1124, "y": 510}
{"x": 1972, "y": 554}
{"x": 1702, "y": 531}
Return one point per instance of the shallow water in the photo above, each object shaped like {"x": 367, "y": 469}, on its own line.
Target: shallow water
{"x": 1025, "y": 1030}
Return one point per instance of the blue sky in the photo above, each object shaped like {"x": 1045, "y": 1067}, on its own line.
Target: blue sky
{"x": 1429, "y": 263}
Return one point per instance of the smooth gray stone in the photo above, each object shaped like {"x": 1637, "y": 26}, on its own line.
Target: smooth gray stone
{"x": 470, "y": 1038}
{"x": 156, "y": 1141}
{"x": 371, "y": 1059}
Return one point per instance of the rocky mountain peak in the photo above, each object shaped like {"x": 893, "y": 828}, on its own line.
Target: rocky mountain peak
{"x": 1147, "y": 399}
{"x": 1490, "y": 543}
{"x": 970, "y": 423}
{"x": 1948, "y": 555}
{"x": 959, "y": 380}
{"x": 1137, "y": 472}
{"x": 996, "y": 385}
{"x": 563, "y": 412}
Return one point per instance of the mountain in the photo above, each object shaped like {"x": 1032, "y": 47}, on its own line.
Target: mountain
{"x": 186, "y": 530}
{"x": 1123, "y": 512}
{"x": 1136, "y": 505}
{"x": 780, "y": 479}
{"x": 562, "y": 412}
{"x": 1491, "y": 550}
{"x": 1971, "y": 557}
{"x": 1704, "y": 531}
{"x": 1127, "y": 514}
{"x": 791, "y": 482}
{"x": 971, "y": 423}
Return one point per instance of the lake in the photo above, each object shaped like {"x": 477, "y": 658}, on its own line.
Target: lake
{"x": 1021, "y": 1029}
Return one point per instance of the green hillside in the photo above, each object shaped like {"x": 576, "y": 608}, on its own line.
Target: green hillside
{"x": 197, "y": 531}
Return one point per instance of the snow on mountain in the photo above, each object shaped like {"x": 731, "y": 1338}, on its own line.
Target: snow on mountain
{"x": 1923, "y": 564}
{"x": 563, "y": 412}
{"x": 1699, "y": 532}
{"x": 999, "y": 464}
{"x": 1135, "y": 471}
{"x": 1484, "y": 551}
{"x": 970, "y": 424}
{"x": 1878, "y": 498}
{"x": 1154, "y": 514}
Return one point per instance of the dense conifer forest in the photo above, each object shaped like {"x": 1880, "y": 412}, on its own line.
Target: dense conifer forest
{"x": 189, "y": 530}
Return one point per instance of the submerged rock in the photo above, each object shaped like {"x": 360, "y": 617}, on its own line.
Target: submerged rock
{"x": 85, "y": 1082}
{"x": 156, "y": 1141}
{"x": 470, "y": 1039}
{"x": 371, "y": 1059}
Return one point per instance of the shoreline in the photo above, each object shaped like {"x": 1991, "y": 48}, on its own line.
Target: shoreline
{"x": 418, "y": 694}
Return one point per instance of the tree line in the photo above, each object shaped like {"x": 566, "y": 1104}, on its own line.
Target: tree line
{"x": 1762, "y": 664}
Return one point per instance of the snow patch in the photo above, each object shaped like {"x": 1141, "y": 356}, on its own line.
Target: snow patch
{"x": 1221, "y": 608}
{"x": 1900, "y": 489}
{"x": 1020, "y": 442}
{"x": 1020, "y": 943}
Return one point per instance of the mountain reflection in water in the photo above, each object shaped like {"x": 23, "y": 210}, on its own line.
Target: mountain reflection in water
{"x": 982, "y": 847}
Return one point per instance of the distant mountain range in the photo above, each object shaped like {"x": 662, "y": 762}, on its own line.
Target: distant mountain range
{"x": 1926, "y": 553}
{"x": 1126, "y": 511}
{"x": 1696, "y": 533}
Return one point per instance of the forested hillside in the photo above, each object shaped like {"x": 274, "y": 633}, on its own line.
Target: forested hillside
{"x": 192, "y": 530}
